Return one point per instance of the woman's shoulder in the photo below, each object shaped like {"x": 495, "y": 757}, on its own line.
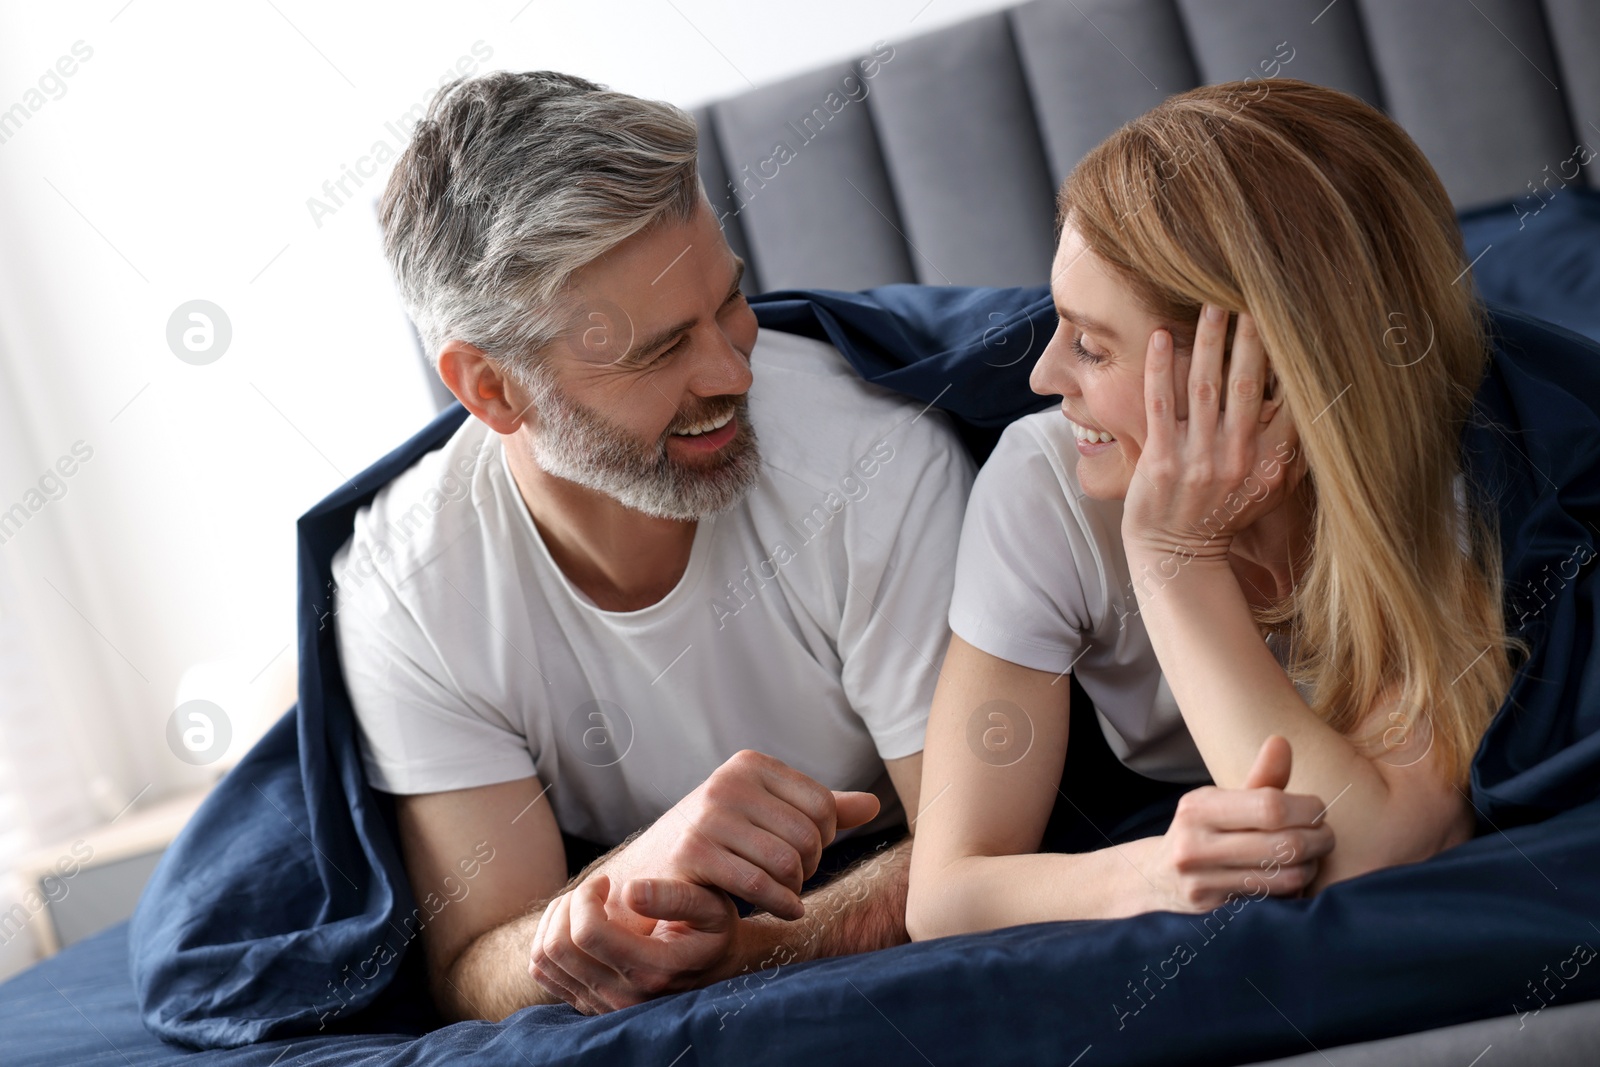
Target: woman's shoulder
{"x": 1036, "y": 450}
{"x": 1032, "y": 477}
{"x": 1029, "y": 522}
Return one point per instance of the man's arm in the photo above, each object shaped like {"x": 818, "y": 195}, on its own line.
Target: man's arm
{"x": 476, "y": 944}
{"x": 594, "y": 958}
{"x": 755, "y": 828}
{"x": 862, "y": 909}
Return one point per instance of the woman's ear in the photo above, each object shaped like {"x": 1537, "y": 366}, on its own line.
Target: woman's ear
{"x": 1271, "y": 394}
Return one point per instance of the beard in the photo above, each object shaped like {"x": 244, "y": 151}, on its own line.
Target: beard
{"x": 579, "y": 444}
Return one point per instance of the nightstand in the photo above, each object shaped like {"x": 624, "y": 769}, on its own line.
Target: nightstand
{"x": 94, "y": 880}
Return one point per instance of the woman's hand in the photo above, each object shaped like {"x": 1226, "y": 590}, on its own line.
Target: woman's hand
{"x": 1201, "y": 479}
{"x": 1253, "y": 842}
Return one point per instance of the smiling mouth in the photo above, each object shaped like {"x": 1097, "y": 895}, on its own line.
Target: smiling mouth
{"x": 1088, "y": 436}
{"x": 706, "y": 426}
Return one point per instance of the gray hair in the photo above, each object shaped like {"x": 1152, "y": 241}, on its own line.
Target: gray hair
{"x": 511, "y": 183}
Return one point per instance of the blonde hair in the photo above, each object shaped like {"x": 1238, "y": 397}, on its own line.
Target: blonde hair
{"x": 1317, "y": 214}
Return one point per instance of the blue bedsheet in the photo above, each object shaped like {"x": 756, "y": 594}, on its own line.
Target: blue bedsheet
{"x": 268, "y": 916}
{"x": 1454, "y": 939}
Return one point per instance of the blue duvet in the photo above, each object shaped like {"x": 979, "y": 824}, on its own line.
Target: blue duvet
{"x": 281, "y": 910}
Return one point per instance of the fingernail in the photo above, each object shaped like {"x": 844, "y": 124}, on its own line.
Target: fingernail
{"x": 1162, "y": 341}
{"x": 1214, "y": 313}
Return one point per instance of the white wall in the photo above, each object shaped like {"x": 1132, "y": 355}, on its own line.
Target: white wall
{"x": 176, "y": 163}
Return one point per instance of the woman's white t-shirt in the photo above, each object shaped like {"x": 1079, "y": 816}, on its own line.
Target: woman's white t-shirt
{"x": 1042, "y": 581}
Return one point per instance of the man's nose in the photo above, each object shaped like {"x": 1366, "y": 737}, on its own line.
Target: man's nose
{"x": 722, "y": 371}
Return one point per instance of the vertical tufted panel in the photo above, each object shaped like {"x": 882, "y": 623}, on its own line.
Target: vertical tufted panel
{"x": 1233, "y": 39}
{"x": 1092, "y": 65}
{"x": 808, "y": 183}
{"x": 958, "y": 139}
{"x": 714, "y": 176}
{"x": 964, "y": 159}
{"x": 1474, "y": 85}
{"x": 1575, "y": 29}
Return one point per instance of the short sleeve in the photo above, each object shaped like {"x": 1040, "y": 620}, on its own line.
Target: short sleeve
{"x": 1019, "y": 578}
{"x": 417, "y": 733}
{"x": 900, "y": 549}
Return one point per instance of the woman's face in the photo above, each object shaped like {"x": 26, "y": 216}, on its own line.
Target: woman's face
{"x": 1095, "y": 363}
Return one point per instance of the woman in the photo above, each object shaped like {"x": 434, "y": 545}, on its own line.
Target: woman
{"x": 1291, "y": 473}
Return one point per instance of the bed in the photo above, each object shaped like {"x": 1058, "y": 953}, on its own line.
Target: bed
{"x": 288, "y": 873}
{"x": 1485, "y": 950}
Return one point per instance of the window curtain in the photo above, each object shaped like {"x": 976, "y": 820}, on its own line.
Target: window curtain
{"x": 59, "y": 769}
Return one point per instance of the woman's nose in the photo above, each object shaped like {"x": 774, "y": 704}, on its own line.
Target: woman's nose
{"x": 1052, "y": 376}
{"x": 1037, "y": 378}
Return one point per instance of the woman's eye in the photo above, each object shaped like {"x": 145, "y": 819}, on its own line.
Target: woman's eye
{"x": 1084, "y": 355}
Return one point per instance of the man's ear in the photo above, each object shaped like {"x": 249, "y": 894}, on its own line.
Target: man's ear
{"x": 483, "y": 386}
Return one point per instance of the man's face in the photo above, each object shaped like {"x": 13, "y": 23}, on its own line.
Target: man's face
{"x": 644, "y": 397}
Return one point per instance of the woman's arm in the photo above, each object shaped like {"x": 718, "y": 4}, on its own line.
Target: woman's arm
{"x": 983, "y": 813}
{"x": 1230, "y": 689}
{"x": 996, "y": 745}
{"x": 1234, "y": 695}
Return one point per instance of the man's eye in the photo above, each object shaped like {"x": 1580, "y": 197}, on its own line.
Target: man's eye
{"x": 646, "y": 360}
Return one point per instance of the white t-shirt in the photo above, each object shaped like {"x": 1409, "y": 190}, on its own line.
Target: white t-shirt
{"x": 808, "y": 624}
{"x": 1042, "y": 581}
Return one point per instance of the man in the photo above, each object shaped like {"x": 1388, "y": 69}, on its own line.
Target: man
{"x": 603, "y": 610}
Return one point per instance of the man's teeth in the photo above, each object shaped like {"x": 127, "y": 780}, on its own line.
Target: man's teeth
{"x": 705, "y": 427}
{"x": 1083, "y": 433}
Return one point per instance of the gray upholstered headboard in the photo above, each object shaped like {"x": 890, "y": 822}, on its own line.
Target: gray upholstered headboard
{"x": 936, "y": 158}
{"x": 941, "y": 163}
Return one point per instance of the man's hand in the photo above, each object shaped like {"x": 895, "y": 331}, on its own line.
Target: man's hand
{"x": 656, "y": 917}
{"x": 1254, "y": 841}
{"x": 597, "y": 963}
{"x": 755, "y": 829}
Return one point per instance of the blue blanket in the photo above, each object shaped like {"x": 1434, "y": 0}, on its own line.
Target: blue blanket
{"x": 279, "y": 911}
